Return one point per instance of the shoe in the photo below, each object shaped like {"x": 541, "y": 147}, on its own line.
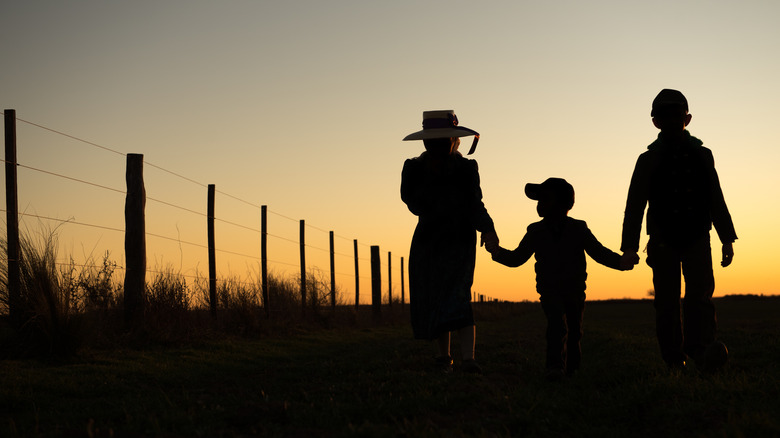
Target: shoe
{"x": 443, "y": 363}
{"x": 471, "y": 366}
{"x": 713, "y": 358}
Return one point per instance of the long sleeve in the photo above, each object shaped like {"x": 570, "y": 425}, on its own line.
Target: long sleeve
{"x": 600, "y": 253}
{"x": 638, "y": 193}
{"x": 480, "y": 217}
{"x": 721, "y": 218}
{"x": 413, "y": 190}
{"x": 518, "y": 256}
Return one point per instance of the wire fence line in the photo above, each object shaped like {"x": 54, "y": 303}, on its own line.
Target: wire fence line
{"x": 386, "y": 264}
{"x": 158, "y": 167}
{"x": 179, "y": 207}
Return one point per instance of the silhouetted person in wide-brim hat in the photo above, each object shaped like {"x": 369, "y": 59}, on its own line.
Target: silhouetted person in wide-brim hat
{"x": 442, "y": 189}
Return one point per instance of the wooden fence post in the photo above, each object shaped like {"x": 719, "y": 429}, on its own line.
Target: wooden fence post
{"x": 264, "y": 256}
{"x": 135, "y": 241}
{"x": 403, "y": 295}
{"x": 376, "y": 282}
{"x": 12, "y": 219}
{"x": 389, "y": 279}
{"x": 357, "y": 275}
{"x": 212, "y": 253}
{"x": 332, "y": 272}
{"x": 303, "y": 264}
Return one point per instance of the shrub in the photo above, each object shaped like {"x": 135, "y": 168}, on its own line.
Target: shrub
{"x": 93, "y": 287}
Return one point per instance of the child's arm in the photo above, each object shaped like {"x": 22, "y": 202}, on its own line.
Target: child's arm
{"x": 603, "y": 255}
{"x": 516, "y": 257}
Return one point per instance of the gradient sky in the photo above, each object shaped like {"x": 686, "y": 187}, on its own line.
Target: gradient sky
{"x": 302, "y": 105}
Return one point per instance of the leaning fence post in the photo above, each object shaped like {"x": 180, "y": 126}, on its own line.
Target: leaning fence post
{"x": 135, "y": 241}
{"x": 212, "y": 253}
{"x": 376, "y": 281}
{"x": 12, "y": 218}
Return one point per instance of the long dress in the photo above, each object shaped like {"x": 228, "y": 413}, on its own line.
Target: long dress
{"x": 447, "y": 198}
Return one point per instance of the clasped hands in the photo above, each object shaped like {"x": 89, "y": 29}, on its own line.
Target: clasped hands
{"x": 489, "y": 240}
{"x": 628, "y": 260}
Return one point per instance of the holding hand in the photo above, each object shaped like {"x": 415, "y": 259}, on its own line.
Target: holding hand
{"x": 490, "y": 240}
{"x": 628, "y": 260}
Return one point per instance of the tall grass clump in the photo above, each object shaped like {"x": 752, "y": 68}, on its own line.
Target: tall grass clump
{"x": 240, "y": 302}
{"x": 167, "y": 294}
{"x": 318, "y": 290}
{"x": 284, "y": 295}
{"x": 47, "y": 322}
{"x": 92, "y": 286}
{"x": 167, "y": 306}
{"x": 96, "y": 296}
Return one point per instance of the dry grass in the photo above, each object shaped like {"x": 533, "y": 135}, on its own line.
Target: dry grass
{"x": 64, "y": 308}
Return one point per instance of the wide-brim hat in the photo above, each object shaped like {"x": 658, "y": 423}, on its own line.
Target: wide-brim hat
{"x": 443, "y": 124}
{"x": 558, "y": 187}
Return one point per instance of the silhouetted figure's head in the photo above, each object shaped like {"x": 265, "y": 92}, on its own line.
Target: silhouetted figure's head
{"x": 555, "y": 196}
{"x": 441, "y": 146}
{"x": 441, "y": 133}
{"x": 670, "y": 112}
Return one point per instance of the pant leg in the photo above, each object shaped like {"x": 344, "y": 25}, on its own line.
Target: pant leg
{"x": 575, "y": 310}
{"x": 665, "y": 262}
{"x": 700, "y": 320}
{"x": 556, "y": 334}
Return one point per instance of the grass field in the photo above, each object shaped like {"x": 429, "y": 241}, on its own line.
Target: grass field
{"x": 368, "y": 379}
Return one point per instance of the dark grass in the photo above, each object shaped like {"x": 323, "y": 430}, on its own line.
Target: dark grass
{"x": 360, "y": 378}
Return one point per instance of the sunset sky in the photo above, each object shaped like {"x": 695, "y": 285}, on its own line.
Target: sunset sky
{"x": 302, "y": 105}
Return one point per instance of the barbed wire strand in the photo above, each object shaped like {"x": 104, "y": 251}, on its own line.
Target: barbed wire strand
{"x": 174, "y": 239}
{"x": 176, "y": 206}
{"x": 71, "y": 136}
{"x": 69, "y": 178}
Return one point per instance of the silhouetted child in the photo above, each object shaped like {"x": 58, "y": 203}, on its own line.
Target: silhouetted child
{"x": 559, "y": 244}
{"x": 676, "y": 179}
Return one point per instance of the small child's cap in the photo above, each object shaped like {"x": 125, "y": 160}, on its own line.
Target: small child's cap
{"x": 557, "y": 187}
{"x": 668, "y": 98}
